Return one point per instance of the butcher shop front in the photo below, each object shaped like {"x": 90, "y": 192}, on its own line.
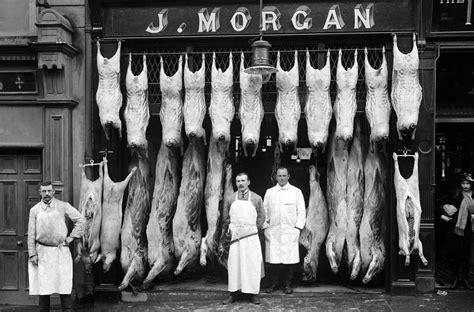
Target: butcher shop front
{"x": 335, "y": 114}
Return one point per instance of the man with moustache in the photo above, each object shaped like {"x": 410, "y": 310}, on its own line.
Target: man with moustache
{"x": 285, "y": 217}
{"x": 245, "y": 218}
{"x": 50, "y": 265}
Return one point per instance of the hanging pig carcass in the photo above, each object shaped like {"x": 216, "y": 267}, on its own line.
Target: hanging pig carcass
{"x": 316, "y": 227}
{"x": 377, "y": 104}
{"x": 318, "y": 108}
{"x": 406, "y": 89}
{"x": 133, "y": 255}
{"x": 194, "y": 109}
{"x": 372, "y": 248}
{"x": 171, "y": 112}
{"x": 137, "y": 113}
{"x": 221, "y": 112}
{"x": 90, "y": 207}
{"x": 229, "y": 195}
{"x": 250, "y": 110}
{"x": 187, "y": 219}
{"x": 337, "y": 203}
{"x": 408, "y": 211}
{"x": 111, "y": 216}
{"x": 287, "y": 109}
{"x": 108, "y": 96}
{"x": 355, "y": 202}
{"x": 345, "y": 105}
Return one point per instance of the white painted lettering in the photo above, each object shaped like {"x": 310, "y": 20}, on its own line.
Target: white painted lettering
{"x": 271, "y": 16}
{"x": 334, "y": 18}
{"x": 364, "y": 16}
{"x": 209, "y": 22}
{"x": 241, "y": 19}
{"x": 162, "y": 23}
{"x": 300, "y": 20}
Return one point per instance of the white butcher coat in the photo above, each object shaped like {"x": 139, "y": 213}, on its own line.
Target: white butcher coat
{"x": 285, "y": 216}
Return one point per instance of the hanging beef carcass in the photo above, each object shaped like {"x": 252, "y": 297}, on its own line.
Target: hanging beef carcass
{"x": 221, "y": 112}
{"x": 251, "y": 109}
{"x": 408, "y": 211}
{"x": 372, "y": 248}
{"x": 133, "y": 255}
{"x": 224, "y": 241}
{"x": 90, "y": 206}
{"x": 137, "y": 113}
{"x": 194, "y": 109}
{"x": 187, "y": 219}
{"x": 345, "y": 105}
{"x": 318, "y": 108}
{"x": 316, "y": 227}
{"x": 288, "y": 109}
{"x": 108, "y": 96}
{"x": 159, "y": 230}
{"x": 406, "y": 89}
{"x": 171, "y": 112}
{"x": 377, "y": 104}
{"x": 355, "y": 201}
{"x": 337, "y": 204}
{"x": 111, "y": 216}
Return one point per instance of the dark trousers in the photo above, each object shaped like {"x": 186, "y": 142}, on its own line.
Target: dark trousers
{"x": 284, "y": 272}
{"x": 66, "y": 303}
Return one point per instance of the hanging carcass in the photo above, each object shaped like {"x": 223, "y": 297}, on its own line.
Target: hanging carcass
{"x": 108, "y": 96}
{"x": 372, "y": 248}
{"x": 137, "y": 113}
{"x": 406, "y": 89}
{"x": 229, "y": 195}
{"x": 288, "y": 109}
{"x": 377, "y": 104}
{"x": 337, "y": 203}
{"x": 187, "y": 219}
{"x": 250, "y": 110}
{"x": 90, "y": 206}
{"x": 408, "y": 211}
{"x": 316, "y": 227}
{"x": 318, "y": 108}
{"x": 355, "y": 201}
{"x": 221, "y": 112}
{"x": 111, "y": 216}
{"x": 171, "y": 112}
{"x": 345, "y": 105}
{"x": 133, "y": 255}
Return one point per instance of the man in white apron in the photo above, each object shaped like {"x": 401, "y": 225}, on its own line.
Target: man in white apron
{"x": 50, "y": 265}
{"x": 285, "y": 218}
{"x": 245, "y": 263}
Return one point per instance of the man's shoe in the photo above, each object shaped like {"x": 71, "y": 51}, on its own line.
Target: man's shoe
{"x": 229, "y": 300}
{"x": 288, "y": 290}
{"x": 254, "y": 299}
{"x": 270, "y": 289}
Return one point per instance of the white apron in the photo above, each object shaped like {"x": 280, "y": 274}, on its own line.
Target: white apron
{"x": 245, "y": 263}
{"x": 53, "y": 274}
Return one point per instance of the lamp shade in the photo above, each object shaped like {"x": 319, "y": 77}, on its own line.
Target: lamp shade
{"x": 261, "y": 59}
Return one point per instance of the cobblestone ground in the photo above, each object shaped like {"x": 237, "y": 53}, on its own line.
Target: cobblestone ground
{"x": 454, "y": 301}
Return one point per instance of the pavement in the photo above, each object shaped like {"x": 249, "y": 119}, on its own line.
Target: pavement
{"x": 199, "y": 296}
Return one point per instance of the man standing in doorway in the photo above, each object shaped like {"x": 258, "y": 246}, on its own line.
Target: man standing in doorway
{"x": 285, "y": 218}
{"x": 50, "y": 265}
{"x": 245, "y": 263}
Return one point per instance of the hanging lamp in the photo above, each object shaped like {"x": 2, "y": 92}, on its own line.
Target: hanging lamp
{"x": 261, "y": 55}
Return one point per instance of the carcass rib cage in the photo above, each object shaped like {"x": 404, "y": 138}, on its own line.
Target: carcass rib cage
{"x": 269, "y": 90}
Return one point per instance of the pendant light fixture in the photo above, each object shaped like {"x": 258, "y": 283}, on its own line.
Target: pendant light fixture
{"x": 261, "y": 55}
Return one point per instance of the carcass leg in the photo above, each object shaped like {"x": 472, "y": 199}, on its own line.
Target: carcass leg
{"x": 204, "y": 249}
{"x": 420, "y": 253}
{"x": 332, "y": 256}
{"x": 356, "y": 264}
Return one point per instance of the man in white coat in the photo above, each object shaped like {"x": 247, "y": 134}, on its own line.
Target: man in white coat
{"x": 50, "y": 265}
{"x": 285, "y": 218}
{"x": 245, "y": 217}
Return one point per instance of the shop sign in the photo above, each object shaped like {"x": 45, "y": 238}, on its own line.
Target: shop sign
{"x": 453, "y": 15}
{"x": 280, "y": 18}
{"x": 17, "y": 82}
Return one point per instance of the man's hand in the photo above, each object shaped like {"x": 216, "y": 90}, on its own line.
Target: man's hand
{"x": 34, "y": 260}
